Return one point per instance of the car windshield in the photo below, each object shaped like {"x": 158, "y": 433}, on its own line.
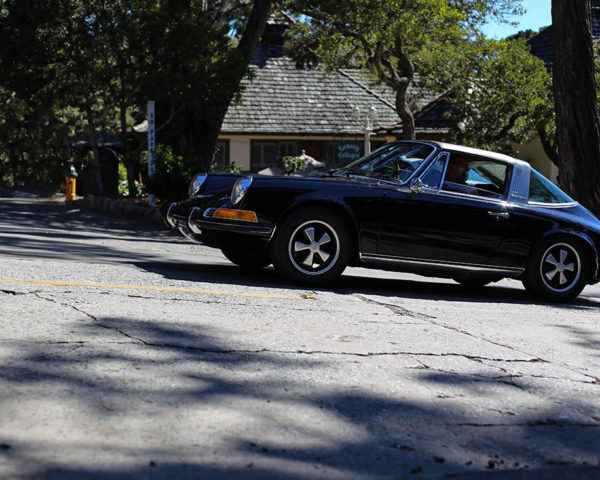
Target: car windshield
{"x": 394, "y": 162}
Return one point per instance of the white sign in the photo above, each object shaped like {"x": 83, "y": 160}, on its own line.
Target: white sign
{"x": 151, "y": 146}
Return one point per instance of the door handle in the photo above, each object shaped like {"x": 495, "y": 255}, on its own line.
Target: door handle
{"x": 498, "y": 215}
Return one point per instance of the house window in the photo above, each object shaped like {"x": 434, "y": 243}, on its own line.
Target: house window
{"x": 330, "y": 154}
{"x": 268, "y": 153}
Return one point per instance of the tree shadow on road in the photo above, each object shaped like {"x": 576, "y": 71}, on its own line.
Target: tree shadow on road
{"x": 48, "y": 230}
{"x": 351, "y": 284}
{"x": 24, "y": 215}
{"x": 141, "y": 398}
{"x": 586, "y": 338}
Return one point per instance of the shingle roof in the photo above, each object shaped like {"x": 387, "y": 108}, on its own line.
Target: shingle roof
{"x": 432, "y": 118}
{"x": 541, "y": 44}
{"x": 282, "y": 99}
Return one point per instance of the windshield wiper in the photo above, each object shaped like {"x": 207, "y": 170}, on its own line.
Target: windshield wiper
{"x": 367, "y": 174}
{"x": 356, "y": 171}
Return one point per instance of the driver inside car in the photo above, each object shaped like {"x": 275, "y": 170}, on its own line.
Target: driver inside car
{"x": 456, "y": 177}
{"x": 458, "y": 171}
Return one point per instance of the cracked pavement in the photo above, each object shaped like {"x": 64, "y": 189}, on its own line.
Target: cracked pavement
{"x": 383, "y": 376}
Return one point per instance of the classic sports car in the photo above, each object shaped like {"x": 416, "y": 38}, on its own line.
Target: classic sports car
{"x": 416, "y": 206}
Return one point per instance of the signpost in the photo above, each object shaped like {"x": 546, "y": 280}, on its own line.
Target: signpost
{"x": 368, "y": 122}
{"x": 151, "y": 146}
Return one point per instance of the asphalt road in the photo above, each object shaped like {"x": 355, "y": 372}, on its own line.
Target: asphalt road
{"x": 127, "y": 352}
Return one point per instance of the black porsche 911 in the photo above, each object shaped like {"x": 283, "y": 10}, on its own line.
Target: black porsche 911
{"x": 415, "y": 206}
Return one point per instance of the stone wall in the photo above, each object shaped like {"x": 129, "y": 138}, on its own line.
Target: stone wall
{"x": 122, "y": 207}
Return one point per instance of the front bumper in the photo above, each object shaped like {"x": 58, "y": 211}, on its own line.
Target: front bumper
{"x": 199, "y": 225}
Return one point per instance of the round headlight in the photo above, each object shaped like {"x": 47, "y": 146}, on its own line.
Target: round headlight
{"x": 240, "y": 188}
{"x": 196, "y": 183}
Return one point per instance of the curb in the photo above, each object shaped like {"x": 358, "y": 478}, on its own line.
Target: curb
{"x": 121, "y": 208}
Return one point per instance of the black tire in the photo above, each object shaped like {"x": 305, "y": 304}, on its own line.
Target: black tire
{"x": 558, "y": 270}
{"x": 247, "y": 260}
{"x": 475, "y": 283}
{"x": 312, "y": 246}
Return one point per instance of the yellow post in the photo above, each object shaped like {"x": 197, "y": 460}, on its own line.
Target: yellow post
{"x": 70, "y": 189}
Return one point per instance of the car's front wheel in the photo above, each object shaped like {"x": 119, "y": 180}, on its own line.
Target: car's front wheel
{"x": 248, "y": 260}
{"x": 558, "y": 270}
{"x": 312, "y": 246}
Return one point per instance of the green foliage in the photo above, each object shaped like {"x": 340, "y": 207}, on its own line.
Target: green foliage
{"x": 31, "y": 150}
{"x": 291, "y": 165}
{"x": 53, "y": 57}
{"x": 172, "y": 175}
{"x": 92, "y": 65}
{"x": 500, "y": 91}
{"x": 230, "y": 168}
{"x": 124, "y": 188}
{"x": 124, "y": 185}
{"x": 199, "y": 57}
{"x": 388, "y": 38}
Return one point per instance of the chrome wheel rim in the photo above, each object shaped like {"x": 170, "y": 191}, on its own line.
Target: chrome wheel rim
{"x": 560, "y": 268}
{"x": 314, "y": 247}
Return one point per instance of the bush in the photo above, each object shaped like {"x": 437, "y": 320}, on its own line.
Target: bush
{"x": 291, "y": 165}
{"x": 171, "y": 177}
{"x": 231, "y": 168}
{"x": 124, "y": 185}
{"x": 124, "y": 189}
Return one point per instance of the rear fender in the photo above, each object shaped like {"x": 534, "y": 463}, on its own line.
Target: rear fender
{"x": 590, "y": 244}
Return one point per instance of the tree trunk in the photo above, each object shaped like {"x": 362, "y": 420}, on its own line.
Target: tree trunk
{"x": 95, "y": 163}
{"x": 15, "y": 161}
{"x": 577, "y": 117}
{"x": 408, "y": 120}
{"x": 211, "y": 128}
{"x": 548, "y": 143}
{"x": 403, "y": 77}
{"x": 205, "y": 144}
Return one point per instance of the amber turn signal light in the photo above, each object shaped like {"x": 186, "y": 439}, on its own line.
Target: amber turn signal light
{"x": 244, "y": 215}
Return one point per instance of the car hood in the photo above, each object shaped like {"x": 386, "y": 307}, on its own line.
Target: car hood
{"x": 337, "y": 179}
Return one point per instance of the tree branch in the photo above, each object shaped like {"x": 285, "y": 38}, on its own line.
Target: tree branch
{"x": 377, "y": 61}
{"x": 549, "y": 145}
{"x": 508, "y": 127}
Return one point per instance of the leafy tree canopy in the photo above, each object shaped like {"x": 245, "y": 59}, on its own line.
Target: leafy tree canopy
{"x": 389, "y": 38}
{"x": 500, "y": 93}
{"x": 106, "y": 58}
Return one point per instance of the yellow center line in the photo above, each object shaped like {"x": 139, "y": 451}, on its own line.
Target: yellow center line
{"x": 157, "y": 289}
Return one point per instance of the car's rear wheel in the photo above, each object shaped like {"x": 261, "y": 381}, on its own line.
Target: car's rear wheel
{"x": 312, "y": 246}
{"x": 558, "y": 270}
{"x": 248, "y": 260}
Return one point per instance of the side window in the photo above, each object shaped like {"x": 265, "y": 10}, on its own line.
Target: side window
{"x": 433, "y": 177}
{"x": 475, "y": 176}
{"x": 542, "y": 190}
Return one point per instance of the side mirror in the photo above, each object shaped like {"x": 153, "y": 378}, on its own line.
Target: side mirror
{"x": 416, "y": 186}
